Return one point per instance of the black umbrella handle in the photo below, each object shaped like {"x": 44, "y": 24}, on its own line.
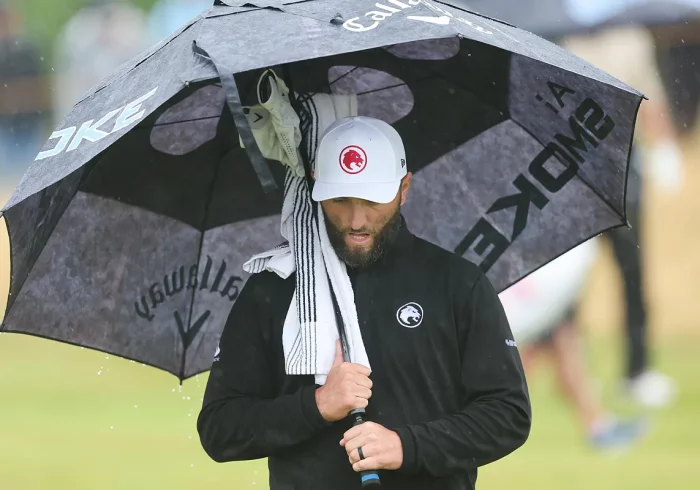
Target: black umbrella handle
{"x": 369, "y": 478}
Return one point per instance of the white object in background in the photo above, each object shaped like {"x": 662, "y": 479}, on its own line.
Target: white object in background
{"x": 666, "y": 165}
{"x": 537, "y": 303}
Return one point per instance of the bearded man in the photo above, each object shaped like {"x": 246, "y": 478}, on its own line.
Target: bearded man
{"x": 446, "y": 393}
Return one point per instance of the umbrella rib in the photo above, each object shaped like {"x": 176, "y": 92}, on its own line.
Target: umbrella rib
{"x": 170, "y": 123}
{"x": 386, "y": 88}
{"x": 199, "y": 258}
{"x": 404, "y": 84}
{"x": 344, "y": 75}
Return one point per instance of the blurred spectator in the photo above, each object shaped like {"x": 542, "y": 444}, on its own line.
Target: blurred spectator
{"x": 23, "y": 98}
{"x": 94, "y": 43}
{"x": 602, "y": 430}
{"x": 678, "y": 56}
{"x": 167, "y": 16}
{"x": 628, "y": 54}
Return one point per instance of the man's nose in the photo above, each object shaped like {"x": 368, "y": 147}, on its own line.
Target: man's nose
{"x": 358, "y": 218}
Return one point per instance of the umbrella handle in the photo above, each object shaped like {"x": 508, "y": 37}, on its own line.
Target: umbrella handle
{"x": 370, "y": 478}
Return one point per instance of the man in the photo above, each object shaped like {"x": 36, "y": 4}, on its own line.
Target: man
{"x": 447, "y": 392}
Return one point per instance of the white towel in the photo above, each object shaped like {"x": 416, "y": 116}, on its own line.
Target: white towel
{"x": 310, "y": 329}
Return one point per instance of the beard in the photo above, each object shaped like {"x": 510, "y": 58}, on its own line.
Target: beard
{"x": 382, "y": 240}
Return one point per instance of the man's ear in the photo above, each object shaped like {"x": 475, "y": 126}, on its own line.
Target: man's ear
{"x": 405, "y": 185}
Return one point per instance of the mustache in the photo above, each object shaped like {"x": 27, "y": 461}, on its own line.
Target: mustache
{"x": 364, "y": 229}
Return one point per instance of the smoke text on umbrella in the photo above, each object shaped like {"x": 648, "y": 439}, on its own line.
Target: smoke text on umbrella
{"x": 589, "y": 125}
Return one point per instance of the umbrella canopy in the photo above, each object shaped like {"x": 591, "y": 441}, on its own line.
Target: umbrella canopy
{"x": 129, "y": 230}
{"x": 554, "y": 18}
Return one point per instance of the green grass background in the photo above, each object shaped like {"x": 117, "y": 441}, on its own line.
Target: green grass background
{"x": 76, "y": 419}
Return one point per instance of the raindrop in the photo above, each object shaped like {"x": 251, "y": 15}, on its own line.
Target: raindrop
{"x": 136, "y": 406}
{"x": 189, "y": 398}
{"x": 111, "y": 428}
{"x": 173, "y": 390}
{"x": 190, "y": 437}
{"x": 106, "y": 357}
{"x": 52, "y": 69}
{"x": 99, "y": 372}
{"x": 189, "y": 414}
{"x": 41, "y": 58}
{"x": 191, "y": 466}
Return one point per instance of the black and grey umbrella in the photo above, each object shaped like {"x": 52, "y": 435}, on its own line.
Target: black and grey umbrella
{"x": 554, "y": 18}
{"x": 129, "y": 230}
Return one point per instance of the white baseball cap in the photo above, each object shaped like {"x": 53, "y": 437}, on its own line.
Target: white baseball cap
{"x": 359, "y": 157}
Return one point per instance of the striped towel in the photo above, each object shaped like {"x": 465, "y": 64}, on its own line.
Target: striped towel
{"x": 310, "y": 328}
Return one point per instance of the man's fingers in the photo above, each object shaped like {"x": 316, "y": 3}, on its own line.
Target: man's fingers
{"x": 367, "y": 451}
{"x": 362, "y": 392}
{"x": 362, "y": 380}
{"x": 370, "y": 463}
{"x": 357, "y": 430}
{"x": 350, "y": 434}
{"x": 356, "y": 442}
{"x": 361, "y": 402}
{"x": 360, "y": 369}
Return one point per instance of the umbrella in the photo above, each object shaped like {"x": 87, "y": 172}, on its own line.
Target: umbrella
{"x": 554, "y": 18}
{"x": 129, "y": 230}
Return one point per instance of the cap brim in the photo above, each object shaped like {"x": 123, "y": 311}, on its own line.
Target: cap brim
{"x": 381, "y": 193}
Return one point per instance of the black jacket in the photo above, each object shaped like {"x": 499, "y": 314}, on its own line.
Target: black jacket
{"x": 452, "y": 387}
